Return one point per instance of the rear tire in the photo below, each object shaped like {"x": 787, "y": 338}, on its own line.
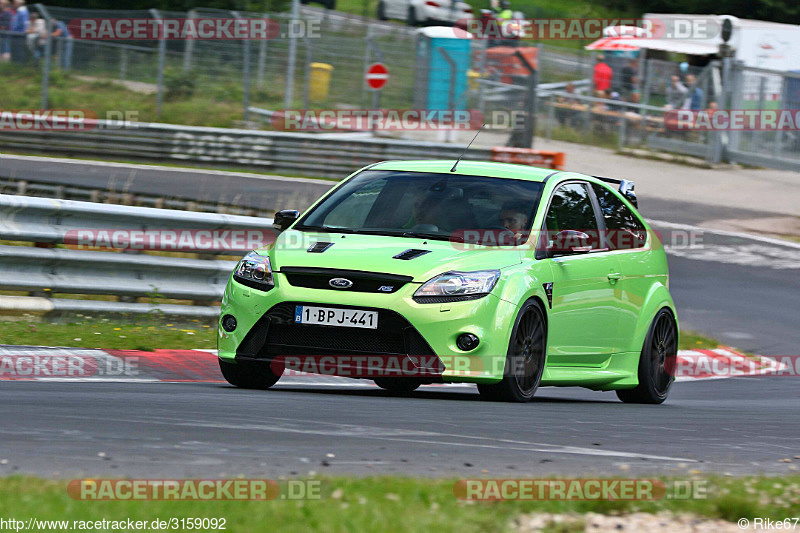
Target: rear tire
{"x": 397, "y": 385}
{"x": 381, "y": 11}
{"x": 248, "y": 374}
{"x": 657, "y": 362}
{"x": 525, "y": 360}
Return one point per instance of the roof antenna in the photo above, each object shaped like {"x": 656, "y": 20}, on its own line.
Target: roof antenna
{"x": 467, "y": 148}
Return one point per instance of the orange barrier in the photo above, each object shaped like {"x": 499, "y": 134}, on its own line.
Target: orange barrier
{"x": 528, "y": 156}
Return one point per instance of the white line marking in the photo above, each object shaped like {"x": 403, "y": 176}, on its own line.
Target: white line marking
{"x": 137, "y": 166}
{"x": 311, "y": 427}
{"x": 741, "y": 235}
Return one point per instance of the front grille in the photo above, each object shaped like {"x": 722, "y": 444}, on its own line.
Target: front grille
{"x": 319, "y": 278}
{"x": 277, "y": 334}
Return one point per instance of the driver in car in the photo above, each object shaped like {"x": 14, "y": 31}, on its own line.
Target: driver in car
{"x": 514, "y": 217}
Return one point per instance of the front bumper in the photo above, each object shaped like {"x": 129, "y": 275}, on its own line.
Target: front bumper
{"x": 265, "y": 327}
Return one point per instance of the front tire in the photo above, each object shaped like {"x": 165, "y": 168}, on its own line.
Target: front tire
{"x": 525, "y": 359}
{"x": 248, "y": 375}
{"x": 398, "y": 385}
{"x": 657, "y": 362}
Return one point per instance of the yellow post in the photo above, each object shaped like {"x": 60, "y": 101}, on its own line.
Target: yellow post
{"x": 320, "y": 81}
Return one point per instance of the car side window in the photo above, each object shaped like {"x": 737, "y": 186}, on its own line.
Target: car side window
{"x": 571, "y": 209}
{"x": 625, "y": 230}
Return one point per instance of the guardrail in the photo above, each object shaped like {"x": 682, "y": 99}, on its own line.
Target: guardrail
{"x": 279, "y": 152}
{"x": 324, "y": 155}
{"x": 45, "y": 269}
{"x": 24, "y": 187}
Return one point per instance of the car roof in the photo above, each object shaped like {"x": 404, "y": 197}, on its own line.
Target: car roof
{"x": 470, "y": 168}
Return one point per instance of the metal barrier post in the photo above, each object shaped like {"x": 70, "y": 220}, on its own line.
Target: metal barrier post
{"x": 289, "y": 93}
{"x": 162, "y": 59}
{"x": 245, "y": 73}
{"x": 123, "y": 63}
{"x": 524, "y": 139}
{"x": 246, "y": 80}
{"x": 307, "y": 79}
{"x": 188, "y": 50}
{"x": 262, "y": 61}
{"x": 48, "y": 51}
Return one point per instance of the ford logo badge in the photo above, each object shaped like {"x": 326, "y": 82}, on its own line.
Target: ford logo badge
{"x": 340, "y": 283}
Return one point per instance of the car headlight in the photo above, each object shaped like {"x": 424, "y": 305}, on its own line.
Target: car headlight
{"x": 254, "y": 271}
{"x": 457, "y": 286}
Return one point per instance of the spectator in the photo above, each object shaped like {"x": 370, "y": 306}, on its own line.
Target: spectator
{"x": 36, "y": 35}
{"x": 569, "y": 89}
{"x": 600, "y": 106}
{"x": 695, "y": 99}
{"x": 615, "y": 96}
{"x": 630, "y": 74}
{"x": 635, "y": 98}
{"x": 568, "y": 116}
{"x": 19, "y": 24}
{"x": 676, "y": 92}
{"x": 63, "y": 39}
{"x": 602, "y": 75}
{"x": 6, "y": 17}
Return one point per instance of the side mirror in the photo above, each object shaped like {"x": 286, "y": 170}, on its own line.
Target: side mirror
{"x": 569, "y": 242}
{"x": 284, "y": 219}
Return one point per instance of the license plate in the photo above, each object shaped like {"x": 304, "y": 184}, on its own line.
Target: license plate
{"x": 327, "y": 316}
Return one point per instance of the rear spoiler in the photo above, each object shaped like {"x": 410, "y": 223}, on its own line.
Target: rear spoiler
{"x": 625, "y": 189}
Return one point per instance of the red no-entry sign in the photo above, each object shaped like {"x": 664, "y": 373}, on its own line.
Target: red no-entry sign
{"x": 377, "y": 76}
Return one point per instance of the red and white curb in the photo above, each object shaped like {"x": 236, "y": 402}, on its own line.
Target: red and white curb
{"x": 43, "y": 363}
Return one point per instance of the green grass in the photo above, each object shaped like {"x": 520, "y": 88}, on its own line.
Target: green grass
{"x": 689, "y": 340}
{"x": 392, "y": 504}
{"x": 213, "y": 107}
{"x": 152, "y": 331}
{"x": 145, "y": 333}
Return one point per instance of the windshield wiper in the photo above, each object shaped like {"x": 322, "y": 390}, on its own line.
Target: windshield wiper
{"x": 329, "y": 229}
{"x": 423, "y": 235}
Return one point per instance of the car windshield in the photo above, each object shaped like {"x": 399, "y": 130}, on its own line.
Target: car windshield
{"x": 471, "y": 209}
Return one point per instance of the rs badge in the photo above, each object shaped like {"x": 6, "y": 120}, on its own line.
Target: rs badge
{"x": 548, "y": 290}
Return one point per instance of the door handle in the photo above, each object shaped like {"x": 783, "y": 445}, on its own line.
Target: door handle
{"x": 614, "y": 276}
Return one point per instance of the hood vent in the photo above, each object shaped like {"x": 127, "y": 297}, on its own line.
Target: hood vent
{"x": 319, "y": 247}
{"x": 411, "y": 254}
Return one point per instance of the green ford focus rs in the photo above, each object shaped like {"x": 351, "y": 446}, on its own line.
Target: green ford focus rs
{"x": 417, "y": 272}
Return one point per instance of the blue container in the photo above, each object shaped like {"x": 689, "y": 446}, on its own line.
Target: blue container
{"x": 435, "y": 85}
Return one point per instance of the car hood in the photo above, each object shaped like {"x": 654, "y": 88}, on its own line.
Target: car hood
{"x": 375, "y": 253}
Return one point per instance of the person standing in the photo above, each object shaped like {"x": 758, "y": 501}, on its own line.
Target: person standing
{"x": 6, "y": 17}
{"x": 676, "y": 92}
{"x": 602, "y": 75}
{"x": 630, "y": 73}
{"x": 19, "y": 25}
{"x": 695, "y": 99}
{"x": 64, "y": 41}
{"x": 36, "y": 35}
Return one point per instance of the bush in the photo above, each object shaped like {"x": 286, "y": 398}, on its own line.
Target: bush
{"x": 179, "y": 84}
